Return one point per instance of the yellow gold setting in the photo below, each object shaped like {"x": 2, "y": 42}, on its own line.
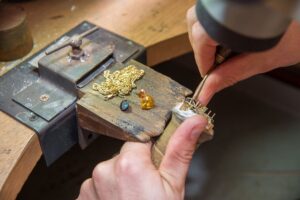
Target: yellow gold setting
{"x": 147, "y": 101}
{"x": 197, "y": 108}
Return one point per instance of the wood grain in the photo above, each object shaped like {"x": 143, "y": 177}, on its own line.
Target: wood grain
{"x": 156, "y": 24}
{"x": 19, "y": 152}
{"x": 97, "y": 115}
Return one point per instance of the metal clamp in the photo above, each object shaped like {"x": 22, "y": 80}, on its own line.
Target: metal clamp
{"x": 77, "y": 53}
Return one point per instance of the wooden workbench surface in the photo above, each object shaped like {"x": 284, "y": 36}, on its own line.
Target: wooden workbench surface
{"x": 159, "y": 25}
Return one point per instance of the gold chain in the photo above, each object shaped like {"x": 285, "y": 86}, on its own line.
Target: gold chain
{"x": 119, "y": 83}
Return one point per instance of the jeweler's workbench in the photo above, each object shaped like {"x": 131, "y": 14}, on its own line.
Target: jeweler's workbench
{"x": 157, "y": 25}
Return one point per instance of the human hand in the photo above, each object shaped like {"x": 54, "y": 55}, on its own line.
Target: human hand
{"x": 132, "y": 175}
{"x": 240, "y": 67}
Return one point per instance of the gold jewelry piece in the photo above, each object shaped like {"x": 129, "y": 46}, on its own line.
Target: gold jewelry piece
{"x": 197, "y": 108}
{"x": 147, "y": 101}
{"x": 119, "y": 83}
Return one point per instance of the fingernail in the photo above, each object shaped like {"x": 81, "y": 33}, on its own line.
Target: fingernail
{"x": 197, "y": 130}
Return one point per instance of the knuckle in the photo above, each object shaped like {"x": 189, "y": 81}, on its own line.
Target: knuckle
{"x": 190, "y": 14}
{"x": 230, "y": 80}
{"x": 220, "y": 82}
{"x": 198, "y": 33}
{"x": 84, "y": 188}
{"x": 98, "y": 173}
{"x": 225, "y": 81}
{"x": 128, "y": 165}
{"x": 84, "y": 185}
{"x": 184, "y": 156}
{"x": 214, "y": 83}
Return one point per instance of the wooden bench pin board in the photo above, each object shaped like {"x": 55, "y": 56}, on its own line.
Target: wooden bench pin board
{"x": 105, "y": 116}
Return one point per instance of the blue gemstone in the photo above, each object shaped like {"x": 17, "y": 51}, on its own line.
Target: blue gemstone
{"x": 124, "y": 105}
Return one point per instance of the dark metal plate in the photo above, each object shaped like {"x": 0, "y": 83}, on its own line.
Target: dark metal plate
{"x": 32, "y": 98}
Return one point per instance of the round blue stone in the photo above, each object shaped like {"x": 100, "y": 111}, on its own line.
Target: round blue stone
{"x": 124, "y": 105}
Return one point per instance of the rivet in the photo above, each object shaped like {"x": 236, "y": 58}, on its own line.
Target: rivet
{"x": 44, "y": 97}
{"x": 32, "y": 117}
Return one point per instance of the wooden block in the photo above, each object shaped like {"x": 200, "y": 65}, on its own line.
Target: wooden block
{"x": 105, "y": 117}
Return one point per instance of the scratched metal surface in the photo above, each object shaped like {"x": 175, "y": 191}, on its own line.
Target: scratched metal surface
{"x": 58, "y": 63}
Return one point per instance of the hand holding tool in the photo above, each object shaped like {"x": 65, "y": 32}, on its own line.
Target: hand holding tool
{"x": 186, "y": 109}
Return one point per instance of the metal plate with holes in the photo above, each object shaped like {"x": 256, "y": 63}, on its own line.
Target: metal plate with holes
{"x": 43, "y": 101}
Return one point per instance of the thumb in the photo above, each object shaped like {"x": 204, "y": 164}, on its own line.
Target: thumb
{"x": 180, "y": 149}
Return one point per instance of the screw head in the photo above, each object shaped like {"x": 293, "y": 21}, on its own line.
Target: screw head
{"x": 44, "y": 97}
{"x": 32, "y": 117}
